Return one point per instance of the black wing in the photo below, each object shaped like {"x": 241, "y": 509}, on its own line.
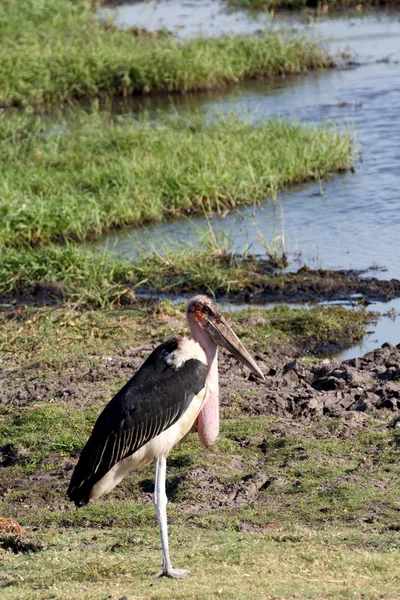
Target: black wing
{"x": 153, "y": 400}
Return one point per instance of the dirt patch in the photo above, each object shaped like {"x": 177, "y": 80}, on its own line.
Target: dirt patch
{"x": 329, "y": 387}
{"x": 319, "y": 285}
{"x": 210, "y": 491}
{"x": 23, "y": 386}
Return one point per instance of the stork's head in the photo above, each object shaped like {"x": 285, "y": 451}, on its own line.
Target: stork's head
{"x": 204, "y": 314}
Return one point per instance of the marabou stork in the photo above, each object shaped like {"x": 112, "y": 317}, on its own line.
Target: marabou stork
{"x": 175, "y": 387}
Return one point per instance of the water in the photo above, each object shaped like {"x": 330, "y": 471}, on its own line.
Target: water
{"x": 356, "y": 222}
{"x": 185, "y": 19}
{"x": 386, "y": 329}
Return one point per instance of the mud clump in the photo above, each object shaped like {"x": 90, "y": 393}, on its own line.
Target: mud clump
{"x": 331, "y": 387}
{"x": 14, "y": 537}
{"x": 208, "y": 489}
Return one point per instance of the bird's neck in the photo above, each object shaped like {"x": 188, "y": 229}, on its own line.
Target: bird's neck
{"x": 208, "y": 419}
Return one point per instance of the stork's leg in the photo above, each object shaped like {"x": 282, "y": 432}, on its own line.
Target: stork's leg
{"x": 160, "y": 502}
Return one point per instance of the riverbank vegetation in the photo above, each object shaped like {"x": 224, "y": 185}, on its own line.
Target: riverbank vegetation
{"x": 75, "y": 179}
{"x": 71, "y": 178}
{"x": 57, "y": 51}
{"x": 83, "y": 176}
{"x": 280, "y": 506}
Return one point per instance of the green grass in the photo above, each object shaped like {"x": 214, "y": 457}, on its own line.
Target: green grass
{"x": 90, "y": 175}
{"x": 320, "y": 326}
{"x": 324, "y": 524}
{"x": 78, "y": 274}
{"x": 290, "y": 563}
{"x": 30, "y": 431}
{"x": 79, "y": 179}
{"x": 54, "y": 51}
{"x": 51, "y": 336}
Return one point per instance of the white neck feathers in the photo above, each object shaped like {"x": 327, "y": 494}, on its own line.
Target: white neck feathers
{"x": 187, "y": 349}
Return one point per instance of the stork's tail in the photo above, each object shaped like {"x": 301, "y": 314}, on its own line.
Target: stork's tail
{"x": 78, "y": 495}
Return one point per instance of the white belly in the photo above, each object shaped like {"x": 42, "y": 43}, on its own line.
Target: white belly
{"x": 161, "y": 445}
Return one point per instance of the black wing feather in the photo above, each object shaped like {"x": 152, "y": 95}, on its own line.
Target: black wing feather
{"x": 153, "y": 400}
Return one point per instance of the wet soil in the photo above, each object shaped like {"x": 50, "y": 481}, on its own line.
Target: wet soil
{"x": 330, "y": 387}
{"x": 317, "y": 285}
{"x": 40, "y": 294}
{"x": 305, "y": 285}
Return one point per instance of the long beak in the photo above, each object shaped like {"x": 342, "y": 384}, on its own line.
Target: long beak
{"x": 220, "y": 331}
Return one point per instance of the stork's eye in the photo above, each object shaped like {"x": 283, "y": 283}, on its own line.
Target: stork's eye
{"x": 206, "y": 310}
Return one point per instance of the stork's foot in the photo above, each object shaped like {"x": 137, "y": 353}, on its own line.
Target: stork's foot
{"x": 174, "y": 573}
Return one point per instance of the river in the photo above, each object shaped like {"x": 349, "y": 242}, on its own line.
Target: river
{"x": 349, "y": 221}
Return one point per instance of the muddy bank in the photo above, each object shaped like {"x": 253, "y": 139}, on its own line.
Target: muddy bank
{"x": 330, "y": 387}
{"x": 98, "y": 376}
{"x": 270, "y": 285}
{"x": 293, "y": 386}
{"x": 319, "y": 285}
{"x": 263, "y": 282}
